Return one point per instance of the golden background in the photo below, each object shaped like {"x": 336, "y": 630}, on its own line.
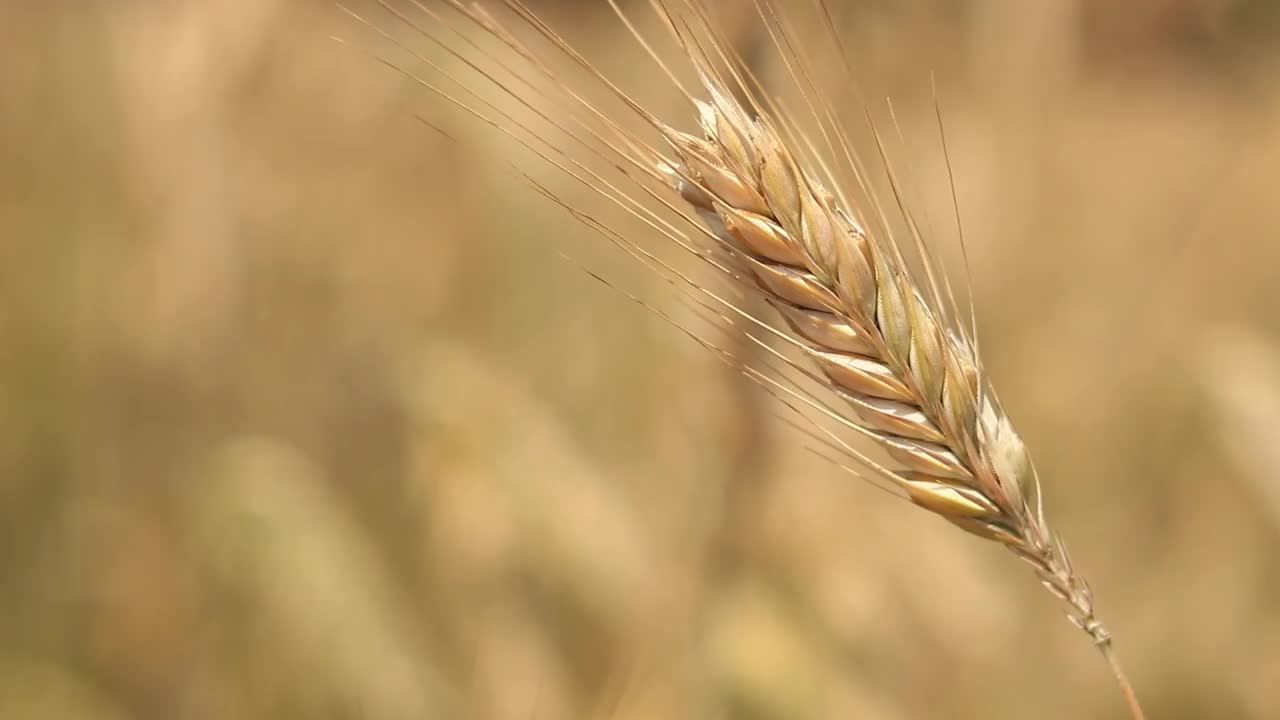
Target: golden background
{"x": 302, "y": 415}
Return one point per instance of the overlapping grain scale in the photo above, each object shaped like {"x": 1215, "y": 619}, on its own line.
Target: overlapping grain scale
{"x": 845, "y": 295}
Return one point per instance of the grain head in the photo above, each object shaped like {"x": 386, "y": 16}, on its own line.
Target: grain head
{"x": 870, "y": 315}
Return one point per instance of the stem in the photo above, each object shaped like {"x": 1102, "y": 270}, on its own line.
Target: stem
{"x": 1130, "y": 698}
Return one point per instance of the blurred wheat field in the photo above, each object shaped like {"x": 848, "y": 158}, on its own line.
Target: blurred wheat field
{"x": 302, "y": 414}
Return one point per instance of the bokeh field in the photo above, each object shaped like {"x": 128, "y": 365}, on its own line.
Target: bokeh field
{"x": 304, "y": 415}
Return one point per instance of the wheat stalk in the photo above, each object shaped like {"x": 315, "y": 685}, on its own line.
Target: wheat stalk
{"x": 881, "y": 340}
{"x": 913, "y": 385}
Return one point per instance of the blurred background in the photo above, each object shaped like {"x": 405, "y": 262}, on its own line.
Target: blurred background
{"x": 302, "y": 415}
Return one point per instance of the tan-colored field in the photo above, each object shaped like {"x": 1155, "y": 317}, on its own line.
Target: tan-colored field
{"x": 303, "y": 414}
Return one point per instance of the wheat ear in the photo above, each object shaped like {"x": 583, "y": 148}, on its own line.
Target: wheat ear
{"x": 914, "y": 385}
{"x": 850, "y": 301}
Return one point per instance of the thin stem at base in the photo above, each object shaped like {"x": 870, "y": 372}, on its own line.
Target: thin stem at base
{"x": 1130, "y": 698}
